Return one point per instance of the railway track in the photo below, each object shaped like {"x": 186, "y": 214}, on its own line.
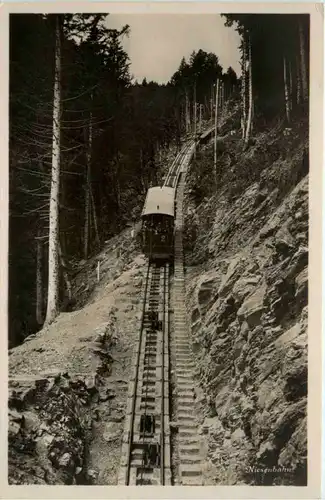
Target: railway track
{"x": 163, "y": 349}
{"x": 179, "y": 163}
{"x": 146, "y": 444}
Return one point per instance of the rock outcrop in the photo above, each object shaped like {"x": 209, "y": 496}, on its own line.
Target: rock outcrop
{"x": 247, "y": 290}
{"x": 68, "y": 382}
{"x": 48, "y": 427}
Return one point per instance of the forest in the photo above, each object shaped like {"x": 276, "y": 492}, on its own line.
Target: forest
{"x": 86, "y": 139}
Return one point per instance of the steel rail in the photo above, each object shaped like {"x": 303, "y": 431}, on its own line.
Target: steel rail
{"x": 144, "y": 343}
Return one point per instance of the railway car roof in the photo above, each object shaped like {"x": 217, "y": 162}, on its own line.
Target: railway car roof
{"x": 159, "y": 200}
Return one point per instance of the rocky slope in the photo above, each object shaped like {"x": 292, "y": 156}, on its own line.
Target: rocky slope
{"x": 68, "y": 383}
{"x": 247, "y": 284}
{"x": 247, "y": 290}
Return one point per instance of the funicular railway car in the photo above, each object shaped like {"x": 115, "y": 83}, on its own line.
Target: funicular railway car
{"x": 158, "y": 223}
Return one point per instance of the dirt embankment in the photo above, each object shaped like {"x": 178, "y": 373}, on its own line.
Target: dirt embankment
{"x": 68, "y": 383}
{"x": 247, "y": 288}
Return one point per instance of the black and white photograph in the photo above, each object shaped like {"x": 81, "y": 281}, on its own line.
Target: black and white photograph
{"x": 158, "y": 276}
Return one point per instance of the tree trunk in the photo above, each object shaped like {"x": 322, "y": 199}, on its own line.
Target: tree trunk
{"x": 303, "y": 63}
{"x": 216, "y": 130}
{"x": 250, "y": 95}
{"x": 222, "y": 90}
{"x": 118, "y": 190}
{"x": 194, "y": 106}
{"x": 142, "y": 176}
{"x": 87, "y": 192}
{"x": 286, "y": 90}
{"x": 290, "y": 87}
{"x": 243, "y": 87}
{"x": 39, "y": 282}
{"x": 65, "y": 274}
{"x": 95, "y": 217}
{"x": 298, "y": 81}
{"x": 194, "y": 110}
{"x": 53, "y": 273}
{"x": 187, "y": 117}
{"x": 200, "y": 118}
{"x": 212, "y": 101}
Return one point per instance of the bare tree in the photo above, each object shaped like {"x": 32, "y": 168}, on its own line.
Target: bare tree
{"x": 222, "y": 94}
{"x": 187, "y": 114}
{"x": 290, "y": 87}
{"x": 298, "y": 76}
{"x": 212, "y": 101}
{"x": 194, "y": 109}
{"x": 88, "y": 188}
{"x": 250, "y": 93}
{"x": 286, "y": 89}
{"x": 53, "y": 274}
{"x": 303, "y": 64}
{"x": 194, "y": 118}
{"x": 39, "y": 281}
{"x": 243, "y": 86}
{"x": 95, "y": 217}
{"x": 216, "y": 129}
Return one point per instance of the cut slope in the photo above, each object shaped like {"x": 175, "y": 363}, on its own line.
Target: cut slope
{"x": 247, "y": 282}
{"x": 68, "y": 383}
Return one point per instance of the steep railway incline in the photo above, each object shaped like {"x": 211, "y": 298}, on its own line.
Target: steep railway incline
{"x": 148, "y": 457}
{"x": 188, "y": 449}
{"x": 146, "y": 445}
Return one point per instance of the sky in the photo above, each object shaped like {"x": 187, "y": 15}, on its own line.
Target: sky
{"x": 157, "y": 42}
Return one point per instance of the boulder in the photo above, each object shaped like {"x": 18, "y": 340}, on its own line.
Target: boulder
{"x": 205, "y": 289}
{"x": 244, "y": 287}
{"x": 31, "y": 421}
{"x": 266, "y": 455}
{"x": 301, "y": 284}
{"x": 238, "y": 436}
{"x": 299, "y": 261}
{"x": 294, "y": 453}
{"x": 295, "y": 376}
{"x": 65, "y": 460}
{"x": 195, "y": 315}
{"x": 235, "y": 269}
{"x": 237, "y": 348}
{"x": 253, "y": 307}
{"x": 287, "y": 423}
{"x": 271, "y": 226}
{"x": 92, "y": 475}
{"x": 112, "y": 431}
{"x": 288, "y": 336}
{"x": 268, "y": 392}
{"x": 283, "y": 247}
{"x": 13, "y": 429}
